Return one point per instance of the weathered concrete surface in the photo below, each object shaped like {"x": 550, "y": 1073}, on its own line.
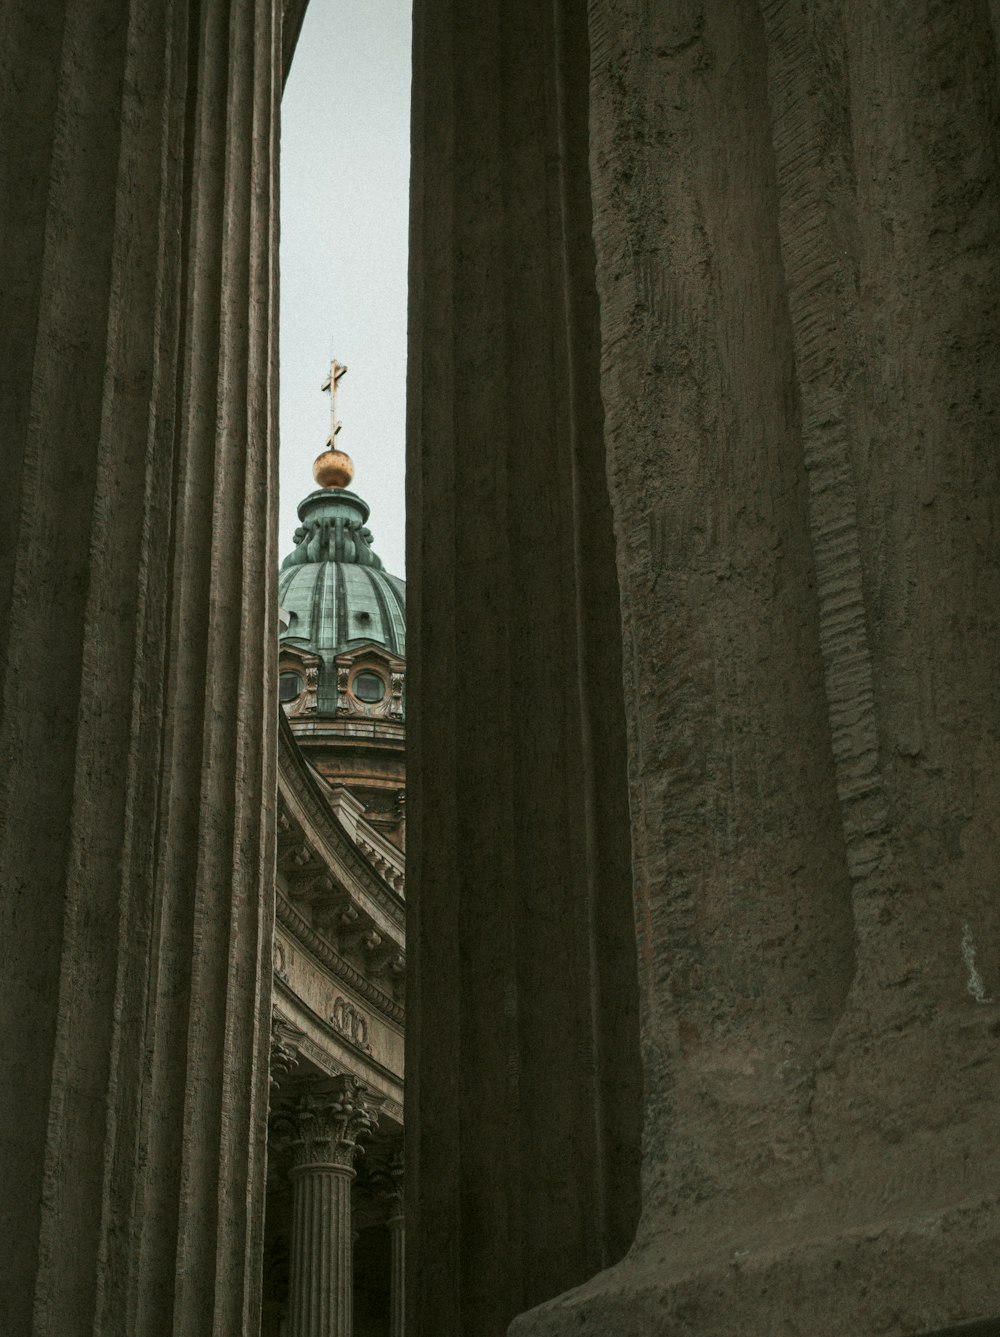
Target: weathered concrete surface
{"x": 798, "y": 239}
{"x": 137, "y": 609}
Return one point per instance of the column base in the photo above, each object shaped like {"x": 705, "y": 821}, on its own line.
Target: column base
{"x": 922, "y": 1275}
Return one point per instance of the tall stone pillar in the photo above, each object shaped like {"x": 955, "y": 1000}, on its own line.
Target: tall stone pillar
{"x": 393, "y": 1195}
{"x": 321, "y": 1128}
{"x": 137, "y": 661}
{"x": 796, "y": 216}
{"x": 397, "y": 1281}
{"x": 523, "y": 1087}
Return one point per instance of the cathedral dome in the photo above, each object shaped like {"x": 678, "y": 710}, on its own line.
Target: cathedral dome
{"x": 332, "y": 585}
{"x": 343, "y": 635}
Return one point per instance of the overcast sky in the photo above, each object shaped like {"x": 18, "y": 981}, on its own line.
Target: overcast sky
{"x": 345, "y": 163}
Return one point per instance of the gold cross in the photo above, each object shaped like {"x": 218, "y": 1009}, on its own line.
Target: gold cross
{"x": 336, "y": 371}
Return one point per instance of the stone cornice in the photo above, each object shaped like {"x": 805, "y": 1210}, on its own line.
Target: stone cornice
{"x": 330, "y": 1052}
{"x": 325, "y": 830}
{"x": 328, "y": 1061}
{"x": 300, "y": 929}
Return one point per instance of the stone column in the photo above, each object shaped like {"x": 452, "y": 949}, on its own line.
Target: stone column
{"x": 802, "y": 384}
{"x": 392, "y": 1194}
{"x": 522, "y": 1002}
{"x": 137, "y": 661}
{"x": 794, "y": 212}
{"x": 397, "y": 1279}
{"x": 321, "y": 1128}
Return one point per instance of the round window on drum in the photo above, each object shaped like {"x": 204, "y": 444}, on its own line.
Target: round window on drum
{"x": 289, "y": 687}
{"x": 368, "y": 687}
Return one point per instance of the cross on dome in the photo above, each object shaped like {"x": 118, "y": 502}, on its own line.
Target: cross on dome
{"x": 332, "y": 384}
{"x": 333, "y": 468}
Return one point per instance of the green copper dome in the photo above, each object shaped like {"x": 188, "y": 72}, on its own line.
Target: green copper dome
{"x": 334, "y": 589}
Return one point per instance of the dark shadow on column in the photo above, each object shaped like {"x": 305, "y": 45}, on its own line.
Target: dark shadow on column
{"x": 523, "y": 1080}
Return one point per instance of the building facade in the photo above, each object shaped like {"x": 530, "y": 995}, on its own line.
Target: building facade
{"x": 333, "y": 1241}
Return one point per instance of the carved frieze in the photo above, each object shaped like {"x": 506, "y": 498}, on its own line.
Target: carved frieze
{"x": 293, "y": 923}
{"x": 352, "y": 1023}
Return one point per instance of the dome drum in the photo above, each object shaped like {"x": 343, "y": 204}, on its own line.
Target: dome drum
{"x": 342, "y": 652}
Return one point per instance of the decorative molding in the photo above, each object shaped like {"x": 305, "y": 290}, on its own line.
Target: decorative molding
{"x": 387, "y": 1181}
{"x": 376, "y": 659}
{"x": 322, "y": 1125}
{"x": 396, "y": 696}
{"x": 385, "y": 868}
{"x": 326, "y": 829}
{"x": 295, "y": 924}
{"x": 343, "y": 704}
{"x": 333, "y": 908}
{"x": 370, "y": 1070}
{"x": 293, "y": 660}
{"x": 394, "y": 1108}
{"x": 280, "y": 962}
{"x": 351, "y": 1023}
{"x": 286, "y": 1041}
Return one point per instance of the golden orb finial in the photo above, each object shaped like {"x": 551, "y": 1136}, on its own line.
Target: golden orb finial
{"x": 333, "y": 468}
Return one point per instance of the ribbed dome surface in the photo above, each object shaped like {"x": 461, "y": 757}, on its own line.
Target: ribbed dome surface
{"x": 333, "y": 605}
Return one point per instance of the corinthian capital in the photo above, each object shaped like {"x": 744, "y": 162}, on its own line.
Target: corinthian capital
{"x": 285, "y": 1039}
{"x": 386, "y": 1181}
{"x": 323, "y": 1124}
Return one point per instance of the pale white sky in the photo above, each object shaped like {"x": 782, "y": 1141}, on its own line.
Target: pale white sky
{"x": 345, "y": 164}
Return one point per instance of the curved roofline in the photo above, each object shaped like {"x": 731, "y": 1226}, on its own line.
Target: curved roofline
{"x": 328, "y": 827}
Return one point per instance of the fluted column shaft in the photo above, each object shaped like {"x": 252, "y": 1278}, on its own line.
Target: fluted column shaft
{"x": 320, "y": 1127}
{"x": 137, "y": 661}
{"x": 321, "y": 1290}
{"x": 502, "y": 290}
{"x": 794, "y": 213}
{"x": 397, "y": 1276}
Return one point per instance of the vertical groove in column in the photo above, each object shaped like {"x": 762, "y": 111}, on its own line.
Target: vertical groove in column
{"x": 57, "y": 311}
{"x": 605, "y": 848}
{"x": 246, "y": 1035}
{"x": 397, "y": 1277}
{"x": 321, "y": 1282}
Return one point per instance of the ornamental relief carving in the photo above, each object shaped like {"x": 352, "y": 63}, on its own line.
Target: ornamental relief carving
{"x": 370, "y": 686}
{"x": 352, "y": 1024}
{"x": 323, "y": 1124}
{"x": 396, "y": 696}
{"x": 286, "y": 1039}
{"x": 298, "y": 670}
{"x": 295, "y": 855}
{"x": 343, "y": 701}
{"x": 307, "y": 981}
